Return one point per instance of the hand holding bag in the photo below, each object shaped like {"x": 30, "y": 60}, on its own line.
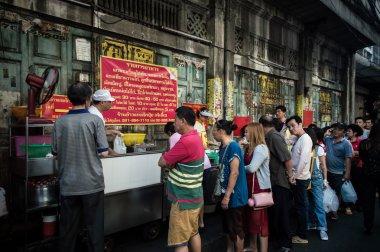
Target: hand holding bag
{"x": 348, "y": 192}
{"x": 260, "y": 200}
{"x": 119, "y": 146}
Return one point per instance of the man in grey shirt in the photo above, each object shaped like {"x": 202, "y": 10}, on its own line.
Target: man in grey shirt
{"x": 280, "y": 165}
{"x": 78, "y": 141}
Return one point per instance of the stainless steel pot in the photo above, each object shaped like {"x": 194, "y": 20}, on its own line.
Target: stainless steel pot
{"x": 42, "y": 194}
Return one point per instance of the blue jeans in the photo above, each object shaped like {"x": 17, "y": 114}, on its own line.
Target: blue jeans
{"x": 317, "y": 215}
{"x": 302, "y": 205}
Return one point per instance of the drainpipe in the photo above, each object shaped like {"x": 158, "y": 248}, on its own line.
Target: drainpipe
{"x": 227, "y": 14}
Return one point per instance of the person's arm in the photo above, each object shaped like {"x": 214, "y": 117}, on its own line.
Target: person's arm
{"x": 111, "y": 132}
{"x": 347, "y": 174}
{"x": 258, "y": 159}
{"x": 104, "y": 153}
{"x": 173, "y": 156}
{"x": 162, "y": 162}
{"x": 234, "y": 168}
{"x": 54, "y": 141}
{"x": 322, "y": 163}
{"x": 289, "y": 171}
{"x": 280, "y": 150}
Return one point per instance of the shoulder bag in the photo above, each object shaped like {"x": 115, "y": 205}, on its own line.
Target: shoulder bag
{"x": 260, "y": 200}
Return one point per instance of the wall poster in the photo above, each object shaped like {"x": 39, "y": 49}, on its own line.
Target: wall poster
{"x": 145, "y": 93}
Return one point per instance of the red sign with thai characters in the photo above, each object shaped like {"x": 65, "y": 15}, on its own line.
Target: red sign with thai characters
{"x": 57, "y": 105}
{"x": 241, "y": 121}
{"x": 144, "y": 93}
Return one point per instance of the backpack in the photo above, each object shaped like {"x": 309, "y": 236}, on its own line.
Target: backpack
{"x": 371, "y": 159}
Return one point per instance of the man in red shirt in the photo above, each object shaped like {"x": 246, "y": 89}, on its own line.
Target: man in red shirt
{"x": 185, "y": 161}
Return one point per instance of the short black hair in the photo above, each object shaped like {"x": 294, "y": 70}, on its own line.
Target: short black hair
{"x": 355, "y": 128}
{"x": 319, "y": 133}
{"x": 186, "y": 113}
{"x": 359, "y": 118}
{"x": 278, "y": 125}
{"x": 266, "y": 121}
{"x": 282, "y": 107}
{"x": 295, "y": 118}
{"x": 79, "y": 93}
{"x": 169, "y": 128}
{"x": 368, "y": 118}
{"x": 225, "y": 125}
{"x": 312, "y": 126}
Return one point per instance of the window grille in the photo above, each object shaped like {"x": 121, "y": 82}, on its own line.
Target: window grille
{"x": 149, "y": 12}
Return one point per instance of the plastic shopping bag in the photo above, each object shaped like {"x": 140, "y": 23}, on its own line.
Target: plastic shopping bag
{"x": 119, "y": 146}
{"x": 348, "y": 192}
{"x": 330, "y": 200}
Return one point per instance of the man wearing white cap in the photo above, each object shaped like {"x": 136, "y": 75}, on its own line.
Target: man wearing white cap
{"x": 202, "y": 115}
{"x": 102, "y": 101}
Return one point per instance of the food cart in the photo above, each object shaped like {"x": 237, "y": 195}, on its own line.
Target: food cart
{"x": 134, "y": 192}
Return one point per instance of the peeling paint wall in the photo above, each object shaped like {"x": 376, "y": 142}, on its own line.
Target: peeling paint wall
{"x": 7, "y": 100}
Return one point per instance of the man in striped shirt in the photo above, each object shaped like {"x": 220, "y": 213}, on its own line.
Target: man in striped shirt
{"x": 186, "y": 161}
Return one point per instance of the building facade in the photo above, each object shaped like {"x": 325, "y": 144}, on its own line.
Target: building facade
{"x": 241, "y": 58}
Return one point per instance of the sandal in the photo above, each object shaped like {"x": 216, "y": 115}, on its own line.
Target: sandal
{"x": 348, "y": 211}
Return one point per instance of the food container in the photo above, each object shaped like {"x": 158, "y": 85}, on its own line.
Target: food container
{"x": 20, "y": 140}
{"x": 36, "y": 150}
{"x": 20, "y": 112}
{"x": 133, "y": 138}
{"x": 43, "y": 191}
{"x": 49, "y": 226}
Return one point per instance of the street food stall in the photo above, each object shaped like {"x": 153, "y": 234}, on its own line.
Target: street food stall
{"x": 135, "y": 189}
{"x": 146, "y": 95}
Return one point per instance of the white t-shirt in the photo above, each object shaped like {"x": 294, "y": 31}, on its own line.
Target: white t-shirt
{"x": 320, "y": 153}
{"x": 301, "y": 157}
{"x": 95, "y": 111}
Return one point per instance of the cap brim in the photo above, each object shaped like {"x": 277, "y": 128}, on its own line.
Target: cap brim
{"x": 207, "y": 114}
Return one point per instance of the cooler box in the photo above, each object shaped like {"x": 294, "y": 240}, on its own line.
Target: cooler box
{"x": 20, "y": 140}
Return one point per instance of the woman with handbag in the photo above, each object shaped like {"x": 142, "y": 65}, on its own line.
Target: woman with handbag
{"x": 232, "y": 184}
{"x": 256, "y": 160}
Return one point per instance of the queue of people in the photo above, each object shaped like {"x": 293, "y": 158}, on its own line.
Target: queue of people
{"x": 296, "y": 164}
{"x": 286, "y": 163}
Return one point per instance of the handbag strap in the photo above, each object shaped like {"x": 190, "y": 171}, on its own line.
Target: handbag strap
{"x": 225, "y": 152}
{"x": 253, "y": 183}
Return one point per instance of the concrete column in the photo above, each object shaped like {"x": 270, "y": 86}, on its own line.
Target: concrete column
{"x": 304, "y": 85}
{"x": 347, "y": 91}
{"x": 215, "y": 64}
{"x": 229, "y": 41}
{"x": 353, "y": 88}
